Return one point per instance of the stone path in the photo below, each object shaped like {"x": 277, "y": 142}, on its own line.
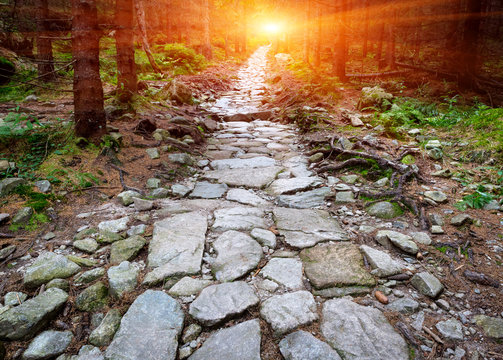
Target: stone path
{"x": 249, "y": 248}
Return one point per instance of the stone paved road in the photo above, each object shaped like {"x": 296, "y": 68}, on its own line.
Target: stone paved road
{"x": 249, "y": 240}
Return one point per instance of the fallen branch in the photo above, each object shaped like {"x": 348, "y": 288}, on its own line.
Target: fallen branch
{"x": 481, "y": 279}
{"x": 433, "y": 335}
{"x": 121, "y": 177}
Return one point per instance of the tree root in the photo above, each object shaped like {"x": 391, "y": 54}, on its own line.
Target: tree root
{"x": 121, "y": 177}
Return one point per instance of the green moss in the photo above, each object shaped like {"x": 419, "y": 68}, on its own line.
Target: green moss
{"x": 35, "y": 222}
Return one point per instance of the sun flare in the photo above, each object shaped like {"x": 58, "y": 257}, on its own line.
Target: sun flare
{"x": 272, "y": 28}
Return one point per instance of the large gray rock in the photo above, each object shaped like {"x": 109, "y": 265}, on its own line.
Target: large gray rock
{"x": 93, "y": 298}
{"x": 288, "y": 186}
{"x": 149, "y": 330}
{"x": 450, "y": 329}
{"x": 301, "y": 345}
{"x": 284, "y": 271}
{"x": 87, "y": 245}
{"x": 188, "y": 286}
{"x": 88, "y": 276}
{"x": 361, "y": 333}
{"x": 306, "y": 228}
{"x": 122, "y": 278}
{"x": 250, "y": 178}
{"x": 125, "y": 250}
{"x": 239, "y": 218}
{"x": 87, "y": 352}
{"x": 492, "y": 327}
{"x": 207, "y": 190}
{"x": 217, "y": 303}
{"x": 114, "y": 226}
{"x": 49, "y": 266}
{"x": 405, "y": 305}
{"x": 253, "y": 163}
{"x": 177, "y": 246}
{"x": 48, "y": 345}
{"x": 264, "y": 237}
{"x": 27, "y": 319}
{"x": 401, "y": 241}
{"x": 237, "y": 254}
{"x": 305, "y": 200}
{"x": 181, "y": 158}
{"x": 126, "y": 197}
{"x": 384, "y": 210}
{"x": 23, "y": 216}
{"x": 239, "y": 342}
{"x": 382, "y": 264}
{"x": 437, "y": 196}
{"x": 289, "y": 311}
{"x": 104, "y": 333}
{"x": 10, "y": 184}
{"x": 335, "y": 265}
{"x": 245, "y": 197}
{"x": 427, "y": 284}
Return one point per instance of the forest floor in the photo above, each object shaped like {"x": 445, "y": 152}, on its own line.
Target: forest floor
{"x": 280, "y": 238}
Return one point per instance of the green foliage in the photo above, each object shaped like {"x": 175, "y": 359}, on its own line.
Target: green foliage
{"x": 28, "y": 142}
{"x": 36, "y": 220}
{"x": 175, "y": 58}
{"x": 477, "y": 200}
{"x": 16, "y": 91}
{"x": 37, "y": 201}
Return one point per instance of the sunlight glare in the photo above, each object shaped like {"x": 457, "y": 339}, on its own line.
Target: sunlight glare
{"x": 272, "y": 28}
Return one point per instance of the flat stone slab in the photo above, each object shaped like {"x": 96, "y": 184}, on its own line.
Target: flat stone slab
{"x": 492, "y": 327}
{"x": 361, "y": 333}
{"x": 253, "y": 163}
{"x": 177, "y": 246}
{"x": 114, "y": 226}
{"x": 289, "y": 311}
{"x": 401, "y": 241}
{"x": 217, "y": 303}
{"x": 48, "y": 344}
{"x": 239, "y": 218}
{"x": 237, "y": 254}
{"x": 250, "y": 178}
{"x": 284, "y": 271}
{"x": 149, "y": 330}
{"x": 122, "y": 278}
{"x": 25, "y": 320}
{"x": 305, "y": 200}
{"x": 382, "y": 264}
{"x": 301, "y": 345}
{"x": 306, "y": 228}
{"x": 206, "y": 190}
{"x": 246, "y": 197}
{"x": 288, "y": 186}
{"x": 335, "y": 265}
{"x": 49, "y": 266}
{"x": 239, "y": 342}
{"x": 450, "y": 329}
{"x": 188, "y": 286}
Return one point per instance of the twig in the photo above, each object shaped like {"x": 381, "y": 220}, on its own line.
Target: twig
{"x": 121, "y": 177}
{"x": 433, "y": 335}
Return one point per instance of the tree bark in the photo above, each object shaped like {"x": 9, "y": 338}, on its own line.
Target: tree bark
{"x": 366, "y": 30}
{"x": 470, "y": 41}
{"x": 44, "y": 43}
{"x": 391, "y": 41}
{"x": 307, "y": 26}
{"x": 340, "y": 51}
{"x": 207, "y": 51}
{"x": 124, "y": 40}
{"x": 90, "y": 118}
{"x": 140, "y": 15}
{"x": 317, "y": 44}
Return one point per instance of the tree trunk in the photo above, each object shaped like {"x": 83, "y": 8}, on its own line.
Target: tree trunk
{"x": 124, "y": 41}
{"x": 307, "y": 42}
{"x": 90, "y": 118}
{"x": 380, "y": 39}
{"x": 366, "y": 29}
{"x": 470, "y": 41}
{"x": 140, "y": 15}
{"x": 390, "y": 41}
{"x": 44, "y": 43}
{"x": 207, "y": 51}
{"x": 340, "y": 51}
{"x": 317, "y": 45}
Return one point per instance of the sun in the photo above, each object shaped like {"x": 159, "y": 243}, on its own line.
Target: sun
{"x": 272, "y": 28}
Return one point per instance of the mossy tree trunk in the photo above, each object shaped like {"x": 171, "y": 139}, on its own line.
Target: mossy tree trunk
{"x": 90, "y": 118}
